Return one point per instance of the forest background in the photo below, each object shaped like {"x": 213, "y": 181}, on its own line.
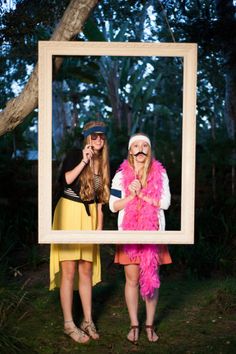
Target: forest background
{"x": 129, "y": 94}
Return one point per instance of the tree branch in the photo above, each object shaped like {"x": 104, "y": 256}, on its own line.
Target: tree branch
{"x": 18, "y": 108}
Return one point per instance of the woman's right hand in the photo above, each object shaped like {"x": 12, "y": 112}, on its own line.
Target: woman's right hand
{"x": 87, "y": 153}
{"x": 135, "y": 187}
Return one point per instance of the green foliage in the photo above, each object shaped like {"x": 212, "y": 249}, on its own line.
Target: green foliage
{"x": 83, "y": 70}
{"x": 189, "y": 316}
{"x": 214, "y": 249}
{"x": 34, "y": 257}
{"x": 71, "y": 139}
{"x": 11, "y": 303}
{"x": 21, "y": 28}
{"x": 148, "y": 100}
{"x": 18, "y": 229}
{"x": 224, "y": 298}
{"x": 187, "y": 309}
{"x": 92, "y": 32}
{"x": 18, "y": 209}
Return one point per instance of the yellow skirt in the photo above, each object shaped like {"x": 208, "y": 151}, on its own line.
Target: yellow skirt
{"x": 70, "y": 215}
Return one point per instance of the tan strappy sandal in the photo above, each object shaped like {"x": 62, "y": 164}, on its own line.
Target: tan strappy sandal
{"x": 150, "y": 338}
{"x": 89, "y": 328}
{"x": 134, "y": 336}
{"x": 76, "y": 334}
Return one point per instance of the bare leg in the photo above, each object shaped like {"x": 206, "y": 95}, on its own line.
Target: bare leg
{"x": 85, "y": 288}
{"x": 85, "y": 291}
{"x": 132, "y": 297}
{"x": 66, "y": 296}
{"x": 151, "y": 305}
{"x": 66, "y": 289}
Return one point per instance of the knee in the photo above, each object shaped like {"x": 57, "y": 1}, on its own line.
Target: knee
{"x": 132, "y": 276}
{"x": 68, "y": 274}
{"x": 132, "y": 282}
{"x": 85, "y": 271}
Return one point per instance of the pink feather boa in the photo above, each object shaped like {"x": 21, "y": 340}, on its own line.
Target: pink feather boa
{"x": 140, "y": 215}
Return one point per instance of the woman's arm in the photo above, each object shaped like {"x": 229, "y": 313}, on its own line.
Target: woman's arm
{"x": 134, "y": 189}
{"x": 116, "y": 202}
{"x": 121, "y": 203}
{"x": 99, "y": 216}
{"x": 149, "y": 200}
{"x": 72, "y": 174}
{"x": 164, "y": 202}
{"x": 166, "y": 196}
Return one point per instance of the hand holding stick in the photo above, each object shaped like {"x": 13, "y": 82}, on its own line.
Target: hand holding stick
{"x": 87, "y": 153}
{"x": 135, "y": 187}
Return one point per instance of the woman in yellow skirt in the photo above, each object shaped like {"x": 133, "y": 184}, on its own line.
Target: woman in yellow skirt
{"x": 85, "y": 180}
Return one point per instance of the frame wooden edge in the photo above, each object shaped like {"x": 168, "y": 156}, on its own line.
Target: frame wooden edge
{"x": 188, "y": 51}
{"x": 110, "y": 237}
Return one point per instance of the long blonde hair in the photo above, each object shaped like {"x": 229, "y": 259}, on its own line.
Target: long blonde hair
{"x": 143, "y": 173}
{"x": 86, "y": 178}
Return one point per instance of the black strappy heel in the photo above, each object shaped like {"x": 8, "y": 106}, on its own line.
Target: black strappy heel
{"x": 151, "y": 327}
{"x": 135, "y": 330}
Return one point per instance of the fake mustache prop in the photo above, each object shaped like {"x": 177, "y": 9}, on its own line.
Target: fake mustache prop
{"x": 140, "y": 153}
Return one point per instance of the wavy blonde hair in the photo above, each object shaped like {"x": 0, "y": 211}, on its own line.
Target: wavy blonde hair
{"x": 86, "y": 178}
{"x": 143, "y": 173}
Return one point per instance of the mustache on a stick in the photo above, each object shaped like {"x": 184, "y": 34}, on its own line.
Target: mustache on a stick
{"x": 140, "y": 153}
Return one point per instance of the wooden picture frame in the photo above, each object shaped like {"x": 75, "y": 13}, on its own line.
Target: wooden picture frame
{"x": 188, "y": 53}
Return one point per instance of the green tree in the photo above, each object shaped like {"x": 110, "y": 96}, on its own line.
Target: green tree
{"x": 69, "y": 26}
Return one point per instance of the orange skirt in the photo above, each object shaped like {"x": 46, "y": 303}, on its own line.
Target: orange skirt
{"x": 122, "y": 258}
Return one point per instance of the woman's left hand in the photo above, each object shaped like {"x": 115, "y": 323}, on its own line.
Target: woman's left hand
{"x": 149, "y": 200}
{"x": 135, "y": 186}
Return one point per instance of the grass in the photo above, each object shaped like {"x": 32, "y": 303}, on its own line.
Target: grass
{"x": 193, "y": 316}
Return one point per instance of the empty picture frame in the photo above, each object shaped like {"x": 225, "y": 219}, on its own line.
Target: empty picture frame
{"x": 188, "y": 53}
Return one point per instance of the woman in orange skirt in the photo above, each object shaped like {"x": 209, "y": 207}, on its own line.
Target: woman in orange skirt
{"x": 140, "y": 193}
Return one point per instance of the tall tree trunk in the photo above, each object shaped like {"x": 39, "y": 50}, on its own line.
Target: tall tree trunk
{"x": 110, "y": 72}
{"x": 61, "y": 115}
{"x": 18, "y": 108}
{"x": 227, "y": 15}
{"x": 213, "y": 165}
{"x": 230, "y": 118}
{"x": 230, "y": 103}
